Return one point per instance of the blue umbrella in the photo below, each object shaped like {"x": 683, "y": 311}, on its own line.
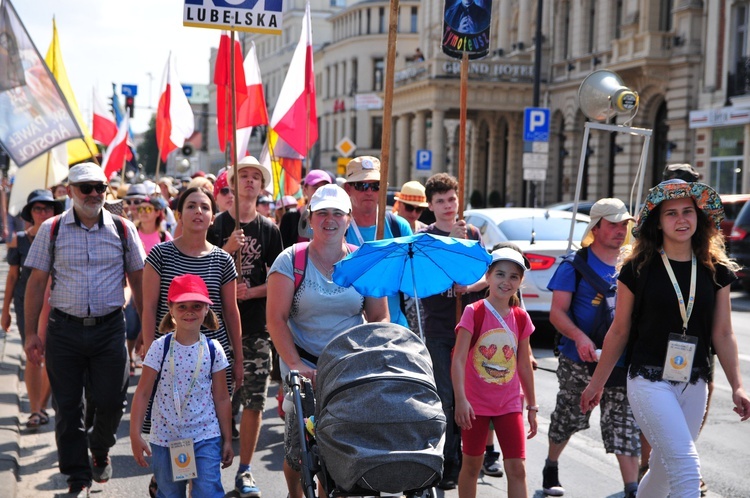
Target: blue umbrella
{"x": 417, "y": 265}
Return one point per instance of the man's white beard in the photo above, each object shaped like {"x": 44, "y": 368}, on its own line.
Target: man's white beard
{"x": 88, "y": 210}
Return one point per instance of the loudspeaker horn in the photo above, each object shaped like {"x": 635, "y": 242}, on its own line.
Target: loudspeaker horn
{"x": 603, "y": 94}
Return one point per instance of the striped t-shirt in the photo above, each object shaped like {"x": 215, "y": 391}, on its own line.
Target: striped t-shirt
{"x": 215, "y": 268}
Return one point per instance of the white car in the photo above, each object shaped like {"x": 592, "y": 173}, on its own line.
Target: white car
{"x": 542, "y": 234}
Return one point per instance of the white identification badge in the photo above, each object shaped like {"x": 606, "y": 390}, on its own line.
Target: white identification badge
{"x": 183, "y": 459}
{"x": 680, "y": 354}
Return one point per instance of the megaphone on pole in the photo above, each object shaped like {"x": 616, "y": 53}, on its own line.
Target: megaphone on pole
{"x": 603, "y": 94}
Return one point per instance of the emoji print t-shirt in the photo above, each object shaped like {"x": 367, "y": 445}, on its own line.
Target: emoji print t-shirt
{"x": 492, "y": 384}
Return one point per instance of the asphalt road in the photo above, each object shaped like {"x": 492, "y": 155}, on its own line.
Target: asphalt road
{"x": 585, "y": 470}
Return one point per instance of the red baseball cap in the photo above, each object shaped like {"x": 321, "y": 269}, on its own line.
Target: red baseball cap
{"x": 188, "y": 288}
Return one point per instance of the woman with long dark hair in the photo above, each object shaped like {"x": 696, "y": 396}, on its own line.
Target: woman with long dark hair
{"x": 673, "y": 309}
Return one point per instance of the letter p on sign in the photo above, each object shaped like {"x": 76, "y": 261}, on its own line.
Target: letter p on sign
{"x": 536, "y": 124}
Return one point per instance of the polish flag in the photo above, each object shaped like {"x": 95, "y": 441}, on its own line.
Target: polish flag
{"x": 223, "y": 82}
{"x": 104, "y": 127}
{"x": 253, "y": 111}
{"x": 174, "y": 116}
{"x": 118, "y": 150}
{"x": 295, "y": 118}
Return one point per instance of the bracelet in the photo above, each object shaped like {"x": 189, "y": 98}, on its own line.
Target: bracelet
{"x": 532, "y": 408}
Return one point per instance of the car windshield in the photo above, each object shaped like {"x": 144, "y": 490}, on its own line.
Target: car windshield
{"x": 544, "y": 228}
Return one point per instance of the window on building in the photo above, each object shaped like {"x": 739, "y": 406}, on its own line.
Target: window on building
{"x": 665, "y": 15}
{"x": 338, "y": 3}
{"x": 566, "y": 30}
{"x": 618, "y": 18}
{"x": 414, "y": 20}
{"x": 369, "y": 16}
{"x": 381, "y": 20}
{"x": 377, "y": 75}
{"x": 739, "y": 66}
{"x": 727, "y": 146}
{"x": 376, "y": 125}
{"x": 353, "y": 81}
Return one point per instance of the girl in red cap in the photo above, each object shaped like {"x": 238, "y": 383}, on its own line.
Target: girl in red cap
{"x": 191, "y": 432}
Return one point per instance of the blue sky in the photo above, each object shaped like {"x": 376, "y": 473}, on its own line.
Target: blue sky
{"x": 106, "y": 41}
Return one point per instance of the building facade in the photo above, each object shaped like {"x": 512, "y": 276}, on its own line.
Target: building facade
{"x": 692, "y": 103}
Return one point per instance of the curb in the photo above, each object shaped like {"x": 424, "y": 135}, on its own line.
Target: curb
{"x": 10, "y": 433}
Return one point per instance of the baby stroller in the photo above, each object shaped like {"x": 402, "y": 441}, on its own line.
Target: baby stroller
{"x": 379, "y": 427}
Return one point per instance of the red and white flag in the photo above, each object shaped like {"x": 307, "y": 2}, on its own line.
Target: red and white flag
{"x": 104, "y": 127}
{"x": 118, "y": 150}
{"x": 253, "y": 111}
{"x": 174, "y": 116}
{"x": 223, "y": 82}
{"x": 295, "y": 118}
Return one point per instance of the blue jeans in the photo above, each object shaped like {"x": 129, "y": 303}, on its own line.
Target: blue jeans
{"x": 95, "y": 358}
{"x": 208, "y": 464}
{"x": 440, "y": 351}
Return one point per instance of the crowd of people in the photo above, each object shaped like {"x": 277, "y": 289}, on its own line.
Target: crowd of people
{"x": 211, "y": 291}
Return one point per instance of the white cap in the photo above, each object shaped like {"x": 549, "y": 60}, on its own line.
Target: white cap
{"x": 508, "y": 254}
{"x": 250, "y": 162}
{"x": 86, "y": 172}
{"x": 331, "y": 197}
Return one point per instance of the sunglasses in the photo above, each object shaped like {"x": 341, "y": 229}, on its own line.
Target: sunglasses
{"x": 365, "y": 186}
{"x": 146, "y": 209}
{"x": 409, "y": 208}
{"x": 42, "y": 209}
{"x": 225, "y": 191}
{"x": 87, "y": 188}
{"x": 133, "y": 202}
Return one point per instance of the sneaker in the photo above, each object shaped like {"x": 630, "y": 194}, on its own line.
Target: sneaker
{"x": 447, "y": 483}
{"x": 77, "y": 491}
{"x": 491, "y": 465}
{"x": 551, "y": 483}
{"x": 703, "y": 488}
{"x": 101, "y": 468}
{"x": 245, "y": 485}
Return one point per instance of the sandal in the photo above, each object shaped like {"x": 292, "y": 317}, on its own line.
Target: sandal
{"x": 152, "y": 487}
{"x": 36, "y": 419}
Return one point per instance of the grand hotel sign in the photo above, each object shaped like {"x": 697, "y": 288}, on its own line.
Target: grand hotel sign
{"x": 493, "y": 71}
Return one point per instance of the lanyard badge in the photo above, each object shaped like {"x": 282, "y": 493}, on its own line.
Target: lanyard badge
{"x": 681, "y": 347}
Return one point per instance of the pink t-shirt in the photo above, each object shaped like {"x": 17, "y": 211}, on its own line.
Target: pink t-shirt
{"x": 492, "y": 384}
{"x": 149, "y": 240}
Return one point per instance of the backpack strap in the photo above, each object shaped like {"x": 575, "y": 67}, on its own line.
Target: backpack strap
{"x": 53, "y": 231}
{"x": 393, "y": 223}
{"x": 479, "y": 311}
{"x": 167, "y": 342}
{"x": 123, "y": 234}
{"x": 212, "y": 354}
{"x": 299, "y": 255}
{"x": 582, "y": 268}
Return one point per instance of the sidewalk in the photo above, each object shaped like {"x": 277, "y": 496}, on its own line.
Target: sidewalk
{"x": 11, "y": 351}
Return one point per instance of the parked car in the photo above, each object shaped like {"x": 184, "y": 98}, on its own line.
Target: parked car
{"x": 733, "y": 204}
{"x": 542, "y": 234}
{"x": 584, "y": 207}
{"x": 739, "y": 245}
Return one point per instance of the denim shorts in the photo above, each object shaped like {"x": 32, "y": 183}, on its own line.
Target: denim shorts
{"x": 208, "y": 464}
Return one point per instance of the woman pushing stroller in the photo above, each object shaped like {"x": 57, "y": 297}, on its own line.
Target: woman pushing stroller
{"x": 309, "y": 309}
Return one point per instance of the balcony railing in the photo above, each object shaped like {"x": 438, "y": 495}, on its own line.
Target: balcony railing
{"x": 738, "y": 82}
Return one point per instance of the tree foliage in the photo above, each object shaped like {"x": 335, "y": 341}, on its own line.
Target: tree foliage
{"x": 148, "y": 152}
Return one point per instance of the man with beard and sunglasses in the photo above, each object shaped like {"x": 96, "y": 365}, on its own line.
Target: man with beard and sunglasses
{"x": 87, "y": 252}
{"x": 362, "y": 185}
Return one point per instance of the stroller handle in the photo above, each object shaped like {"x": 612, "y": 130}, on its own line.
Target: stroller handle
{"x": 308, "y": 484}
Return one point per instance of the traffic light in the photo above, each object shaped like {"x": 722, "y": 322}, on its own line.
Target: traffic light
{"x": 130, "y": 105}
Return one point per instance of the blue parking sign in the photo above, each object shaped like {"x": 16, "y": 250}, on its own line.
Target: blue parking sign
{"x": 536, "y": 124}
{"x": 424, "y": 160}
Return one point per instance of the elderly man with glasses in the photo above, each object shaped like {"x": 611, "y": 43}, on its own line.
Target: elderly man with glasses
{"x": 88, "y": 253}
{"x": 362, "y": 185}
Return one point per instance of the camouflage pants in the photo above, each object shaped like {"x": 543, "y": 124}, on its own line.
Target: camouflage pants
{"x": 620, "y": 431}
{"x": 256, "y": 364}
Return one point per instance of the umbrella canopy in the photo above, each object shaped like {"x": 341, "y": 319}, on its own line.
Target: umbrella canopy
{"x": 418, "y": 265}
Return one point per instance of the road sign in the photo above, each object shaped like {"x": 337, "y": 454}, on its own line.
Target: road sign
{"x": 536, "y": 124}
{"x": 535, "y": 174}
{"x": 341, "y": 165}
{"x": 346, "y": 147}
{"x": 424, "y": 160}
{"x": 129, "y": 90}
{"x": 533, "y": 160}
{"x": 188, "y": 89}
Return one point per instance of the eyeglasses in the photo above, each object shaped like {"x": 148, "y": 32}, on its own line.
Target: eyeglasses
{"x": 148, "y": 208}
{"x": 365, "y": 186}
{"x": 42, "y": 209}
{"x": 225, "y": 191}
{"x": 87, "y": 188}
{"x": 409, "y": 208}
{"x": 133, "y": 202}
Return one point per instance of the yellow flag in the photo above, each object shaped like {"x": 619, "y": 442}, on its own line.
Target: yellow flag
{"x": 77, "y": 150}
